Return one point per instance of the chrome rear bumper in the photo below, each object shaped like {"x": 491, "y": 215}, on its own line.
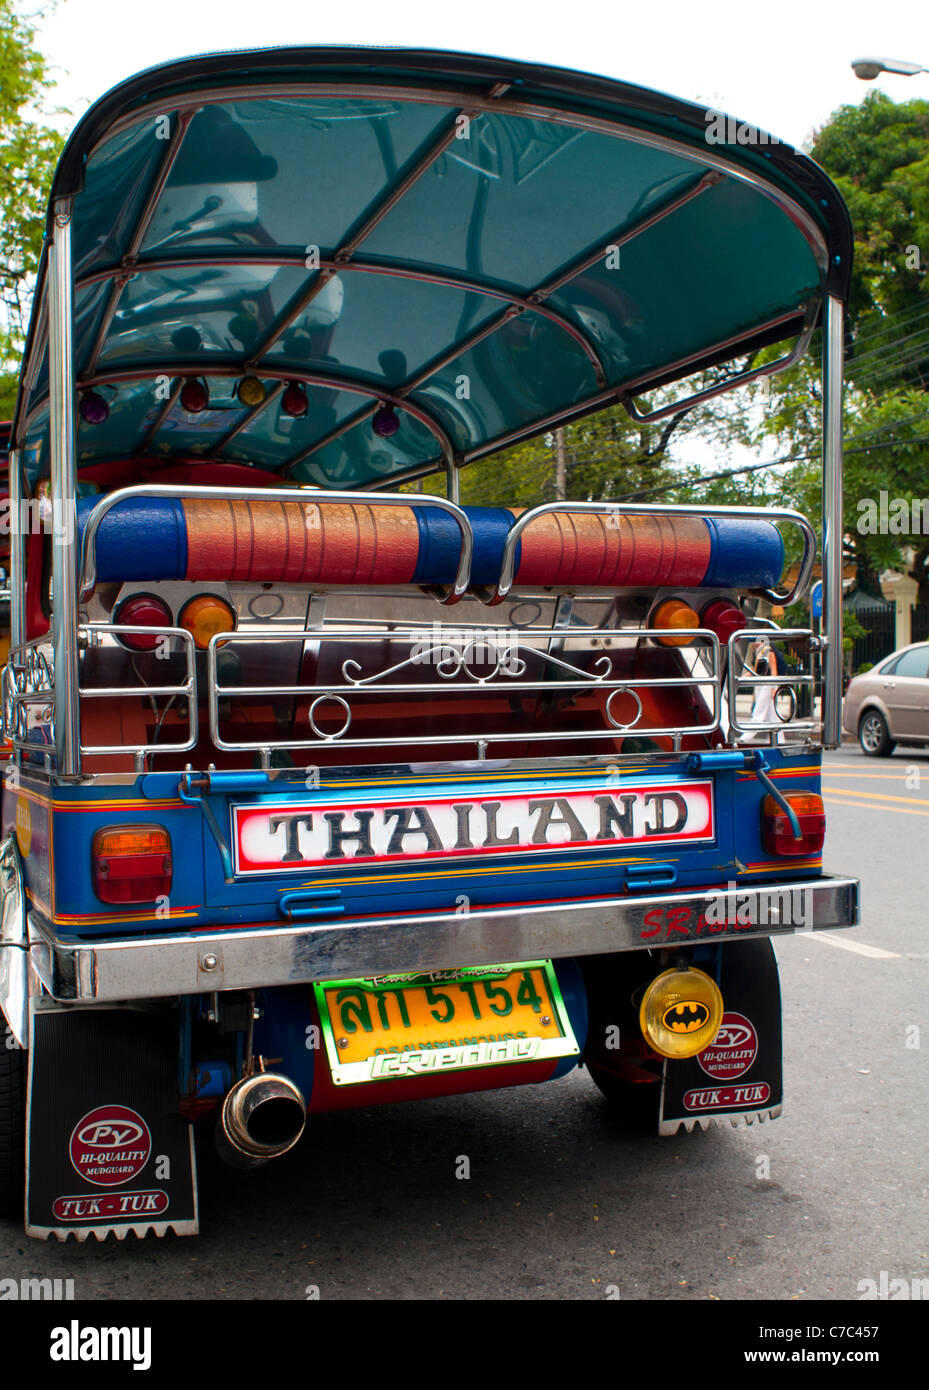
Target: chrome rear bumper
{"x": 127, "y": 967}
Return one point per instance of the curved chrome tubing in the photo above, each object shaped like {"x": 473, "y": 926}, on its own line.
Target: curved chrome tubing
{"x": 620, "y": 509}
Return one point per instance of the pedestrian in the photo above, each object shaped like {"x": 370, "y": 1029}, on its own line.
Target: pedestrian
{"x": 767, "y": 662}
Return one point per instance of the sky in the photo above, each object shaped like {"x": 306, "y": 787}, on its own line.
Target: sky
{"x": 784, "y": 67}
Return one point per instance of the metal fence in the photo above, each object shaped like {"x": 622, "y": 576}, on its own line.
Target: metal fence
{"x": 880, "y": 637}
{"x": 919, "y": 631}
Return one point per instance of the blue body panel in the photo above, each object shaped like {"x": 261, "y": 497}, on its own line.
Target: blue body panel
{"x": 200, "y": 894}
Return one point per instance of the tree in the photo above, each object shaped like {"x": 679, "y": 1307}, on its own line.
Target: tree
{"x": 878, "y": 155}
{"x": 29, "y": 149}
{"x": 607, "y": 454}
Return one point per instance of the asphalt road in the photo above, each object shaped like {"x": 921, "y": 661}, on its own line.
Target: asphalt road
{"x": 558, "y": 1205}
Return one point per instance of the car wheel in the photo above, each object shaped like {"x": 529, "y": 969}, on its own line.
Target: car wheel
{"x": 12, "y": 1131}
{"x": 874, "y": 735}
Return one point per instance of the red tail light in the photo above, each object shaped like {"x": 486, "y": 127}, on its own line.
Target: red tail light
{"x": 723, "y": 618}
{"x": 144, "y": 610}
{"x": 776, "y": 828}
{"x": 132, "y": 863}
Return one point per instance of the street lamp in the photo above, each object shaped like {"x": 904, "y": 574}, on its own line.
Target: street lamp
{"x": 869, "y": 68}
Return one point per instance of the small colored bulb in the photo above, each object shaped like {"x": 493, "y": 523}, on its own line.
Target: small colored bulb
{"x": 385, "y": 422}
{"x": 194, "y": 396}
{"x": 94, "y": 409}
{"x": 251, "y": 391}
{"x": 294, "y": 401}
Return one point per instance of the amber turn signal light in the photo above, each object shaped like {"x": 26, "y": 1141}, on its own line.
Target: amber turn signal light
{"x": 204, "y": 616}
{"x": 673, "y": 613}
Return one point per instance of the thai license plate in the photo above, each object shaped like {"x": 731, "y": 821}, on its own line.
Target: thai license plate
{"x": 396, "y": 1026}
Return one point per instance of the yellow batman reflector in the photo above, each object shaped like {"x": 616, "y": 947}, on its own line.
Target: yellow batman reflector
{"x": 681, "y": 1012}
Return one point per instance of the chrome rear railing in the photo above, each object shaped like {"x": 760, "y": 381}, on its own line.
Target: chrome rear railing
{"x": 508, "y": 685}
{"x": 476, "y": 666}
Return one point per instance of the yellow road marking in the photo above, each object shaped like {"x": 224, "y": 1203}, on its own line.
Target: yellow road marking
{"x": 885, "y": 796}
{"x": 887, "y": 776}
{"x": 871, "y": 806}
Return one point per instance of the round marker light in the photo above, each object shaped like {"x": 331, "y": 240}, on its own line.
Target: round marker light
{"x": 673, "y": 613}
{"x": 143, "y": 610}
{"x": 681, "y": 1012}
{"x": 195, "y": 396}
{"x": 385, "y": 422}
{"x": 294, "y": 401}
{"x": 204, "y": 616}
{"x": 251, "y": 391}
{"x": 94, "y": 409}
{"x": 723, "y": 618}
{"x": 187, "y": 339}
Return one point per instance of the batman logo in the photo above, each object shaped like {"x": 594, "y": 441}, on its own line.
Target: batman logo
{"x": 685, "y": 1017}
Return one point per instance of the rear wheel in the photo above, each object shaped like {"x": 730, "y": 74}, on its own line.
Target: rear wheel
{"x": 635, "y": 1105}
{"x": 12, "y": 1130}
{"x": 874, "y": 735}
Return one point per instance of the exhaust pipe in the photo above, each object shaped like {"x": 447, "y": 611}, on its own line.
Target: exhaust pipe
{"x": 262, "y": 1116}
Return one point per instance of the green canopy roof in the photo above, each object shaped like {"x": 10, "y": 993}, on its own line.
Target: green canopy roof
{"x": 485, "y": 248}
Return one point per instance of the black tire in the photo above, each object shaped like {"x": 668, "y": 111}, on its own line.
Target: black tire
{"x": 874, "y": 735}
{"x": 12, "y": 1129}
{"x": 635, "y": 1105}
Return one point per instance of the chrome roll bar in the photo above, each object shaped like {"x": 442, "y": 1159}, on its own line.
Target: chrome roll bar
{"x": 781, "y": 364}
{"x": 833, "y": 361}
{"x": 64, "y": 493}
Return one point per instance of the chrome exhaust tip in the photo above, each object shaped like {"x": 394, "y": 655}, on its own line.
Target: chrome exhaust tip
{"x": 262, "y": 1117}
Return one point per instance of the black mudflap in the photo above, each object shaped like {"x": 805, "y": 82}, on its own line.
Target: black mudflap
{"x": 740, "y": 1076}
{"x": 107, "y": 1151}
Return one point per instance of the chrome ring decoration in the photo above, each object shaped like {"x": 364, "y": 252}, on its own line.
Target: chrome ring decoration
{"x": 623, "y": 690}
{"x": 336, "y": 699}
{"x": 259, "y": 598}
{"x": 791, "y": 695}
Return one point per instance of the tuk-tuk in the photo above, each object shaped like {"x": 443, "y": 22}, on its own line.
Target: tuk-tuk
{"x": 326, "y": 790}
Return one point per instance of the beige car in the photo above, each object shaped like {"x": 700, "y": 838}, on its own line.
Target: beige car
{"x": 890, "y": 703}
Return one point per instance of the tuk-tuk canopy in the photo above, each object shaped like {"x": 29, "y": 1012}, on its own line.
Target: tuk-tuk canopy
{"x": 347, "y": 267}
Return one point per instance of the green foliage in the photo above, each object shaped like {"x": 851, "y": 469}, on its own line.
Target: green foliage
{"x": 608, "y": 454}
{"x": 796, "y": 615}
{"x": 878, "y": 155}
{"x": 852, "y": 630}
{"x": 29, "y": 149}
